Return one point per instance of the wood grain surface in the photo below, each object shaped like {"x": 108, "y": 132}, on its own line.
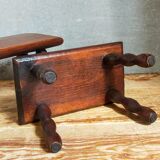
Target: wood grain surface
{"x": 27, "y": 42}
{"x": 103, "y": 133}
{"x": 82, "y": 81}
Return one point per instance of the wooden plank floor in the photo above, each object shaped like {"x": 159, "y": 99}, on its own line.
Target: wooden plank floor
{"x": 103, "y": 133}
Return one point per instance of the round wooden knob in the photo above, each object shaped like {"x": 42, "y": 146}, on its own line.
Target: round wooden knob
{"x": 151, "y": 60}
{"x": 56, "y": 145}
{"x": 148, "y": 114}
{"x": 48, "y": 77}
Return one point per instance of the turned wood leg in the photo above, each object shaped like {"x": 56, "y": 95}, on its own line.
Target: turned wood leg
{"x": 132, "y": 105}
{"x": 142, "y": 60}
{"x": 52, "y": 138}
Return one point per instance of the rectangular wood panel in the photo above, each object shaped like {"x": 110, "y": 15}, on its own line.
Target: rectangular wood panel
{"x": 81, "y": 83}
{"x": 22, "y": 43}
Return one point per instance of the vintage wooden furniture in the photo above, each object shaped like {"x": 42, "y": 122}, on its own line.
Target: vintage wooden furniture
{"x": 60, "y": 82}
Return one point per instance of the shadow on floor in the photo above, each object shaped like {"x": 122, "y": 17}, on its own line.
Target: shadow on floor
{"x": 39, "y": 133}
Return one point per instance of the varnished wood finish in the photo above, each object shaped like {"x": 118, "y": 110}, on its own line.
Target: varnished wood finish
{"x": 145, "y": 113}
{"x": 81, "y": 83}
{"x": 143, "y": 60}
{"x": 93, "y": 134}
{"x": 27, "y": 42}
{"x": 52, "y": 138}
{"x": 43, "y": 74}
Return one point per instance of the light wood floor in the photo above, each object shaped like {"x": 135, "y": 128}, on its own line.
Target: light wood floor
{"x": 102, "y": 133}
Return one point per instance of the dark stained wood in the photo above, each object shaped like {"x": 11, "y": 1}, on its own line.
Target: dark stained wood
{"x": 52, "y": 138}
{"x": 46, "y": 76}
{"x": 27, "y": 42}
{"x": 143, "y": 60}
{"x": 145, "y": 113}
{"x": 82, "y": 81}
